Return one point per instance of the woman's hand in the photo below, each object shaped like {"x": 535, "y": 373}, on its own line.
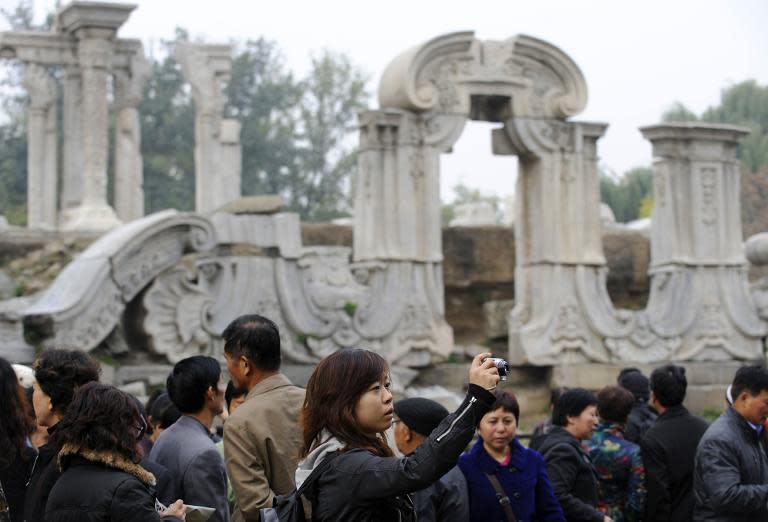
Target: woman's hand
{"x": 483, "y": 372}
{"x": 177, "y": 510}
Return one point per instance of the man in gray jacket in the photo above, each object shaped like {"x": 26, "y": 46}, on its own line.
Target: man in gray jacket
{"x": 186, "y": 448}
{"x": 730, "y": 482}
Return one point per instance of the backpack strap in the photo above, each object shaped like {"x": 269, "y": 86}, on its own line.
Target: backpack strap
{"x": 306, "y": 503}
{"x": 502, "y": 497}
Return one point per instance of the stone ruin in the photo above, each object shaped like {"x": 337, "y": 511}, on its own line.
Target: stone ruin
{"x": 163, "y": 287}
{"x": 84, "y": 45}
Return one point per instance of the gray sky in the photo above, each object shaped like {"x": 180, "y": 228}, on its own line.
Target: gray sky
{"x": 637, "y": 57}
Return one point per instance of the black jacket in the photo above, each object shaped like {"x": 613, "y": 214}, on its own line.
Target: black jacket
{"x": 573, "y": 478}
{"x": 14, "y": 481}
{"x": 640, "y": 419}
{"x": 45, "y": 473}
{"x": 101, "y": 487}
{"x": 730, "y": 481}
{"x": 669, "y": 448}
{"x": 362, "y": 487}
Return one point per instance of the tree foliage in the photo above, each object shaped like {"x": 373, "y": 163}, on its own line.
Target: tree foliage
{"x": 463, "y": 195}
{"x": 297, "y": 134}
{"x": 626, "y": 195}
{"x": 334, "y": 92}
{"x": 744, "y": 104}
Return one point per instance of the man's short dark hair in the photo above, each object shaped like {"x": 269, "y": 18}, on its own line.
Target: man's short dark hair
{"x": 752, "y": 379}
{"x": 233, "y": 392}
{"x": 189, "y": 381}
{"x": 572, "y": 404}
{"x": 668, "y": 384}
{"x": 164, "y": 412}
{"x": 614, "y": 403}
{"x": 59, "y": 373}
{"x": 255, "y": 337}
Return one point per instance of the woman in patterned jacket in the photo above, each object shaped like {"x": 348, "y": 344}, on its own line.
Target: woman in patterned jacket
{"x": 617, "y": 461}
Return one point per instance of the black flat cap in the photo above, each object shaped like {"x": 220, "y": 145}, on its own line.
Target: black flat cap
{"x": 420, "y": 415}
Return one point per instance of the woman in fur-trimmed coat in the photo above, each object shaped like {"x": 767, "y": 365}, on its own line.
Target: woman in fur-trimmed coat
{"x": 101, "y": 480}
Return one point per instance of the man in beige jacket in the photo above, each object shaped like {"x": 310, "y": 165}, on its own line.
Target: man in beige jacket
{"x": 261, "y": 438}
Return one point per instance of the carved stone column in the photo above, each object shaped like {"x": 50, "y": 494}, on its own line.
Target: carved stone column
{"x": 397, "y": 202}
{"x": 41, "y": 148}
{"x": 230, "y": 161}
{"x": 217, "y": 173}
{"x": 558, "y": 240}
{"x": 129, "y": 171}
{"x": 72, "y": 172}
{"x": 93, "y": 26}
{"x": 699, "y": 291}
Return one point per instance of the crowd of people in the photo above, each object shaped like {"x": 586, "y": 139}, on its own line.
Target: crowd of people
{"x": 342, "y": 449}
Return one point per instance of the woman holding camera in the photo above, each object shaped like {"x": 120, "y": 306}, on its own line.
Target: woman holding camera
{"x": 347, "y": 409}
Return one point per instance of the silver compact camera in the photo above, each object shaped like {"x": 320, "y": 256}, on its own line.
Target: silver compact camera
{"x": 501, "y": 365}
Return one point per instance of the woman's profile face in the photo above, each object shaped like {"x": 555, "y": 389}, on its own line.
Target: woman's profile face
{"x": 43, "y": 407}
{"x": 583, "y": 425}
{"x": 497, "y": 429}
{"x": 374, "y": 408}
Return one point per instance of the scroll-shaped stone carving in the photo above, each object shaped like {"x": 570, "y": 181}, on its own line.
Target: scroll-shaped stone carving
{"x": 319, "y": 300}
{"x": 443, "y": 74}
{"x": 86, "y": 301}
{"x": 42, "y": 145}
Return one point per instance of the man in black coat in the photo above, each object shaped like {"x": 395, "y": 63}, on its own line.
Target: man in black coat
{"x": 669, "y": 448}
{"x": 730, "y": 480}
{"x": 642, "y": 415}
{"x": 446, "y": 500}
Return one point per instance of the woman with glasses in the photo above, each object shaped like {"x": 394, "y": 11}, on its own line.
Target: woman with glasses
{"x": 101, "y": 477}
{"x": 17, "y": 422}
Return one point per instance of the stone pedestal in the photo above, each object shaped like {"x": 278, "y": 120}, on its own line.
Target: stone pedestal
{"x": 42, "y": 148}
{"x": 699, "y": 290}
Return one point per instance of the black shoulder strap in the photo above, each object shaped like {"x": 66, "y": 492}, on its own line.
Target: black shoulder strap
{"x": 502, "y": 497}
{"x": 319, "y": 470}
{"x": 306, "y": 503}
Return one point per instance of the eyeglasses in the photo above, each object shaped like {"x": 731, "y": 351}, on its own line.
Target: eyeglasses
{"x": 141, "y": 429}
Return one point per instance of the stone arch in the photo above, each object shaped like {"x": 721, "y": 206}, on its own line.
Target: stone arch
{"x": 562, "y": 313}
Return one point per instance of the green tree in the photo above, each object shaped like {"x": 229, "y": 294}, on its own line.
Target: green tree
{"x": 333, "y": 93}
{"x": 463, "y": 195}
{"x": 678, "y": 113}
{"x": 744, "y": 104}
{"x": 13, "y": 130}
{"x": 263, "y": 97}
{"x": 168, "y": 135}
{"x": 626, "y": 195}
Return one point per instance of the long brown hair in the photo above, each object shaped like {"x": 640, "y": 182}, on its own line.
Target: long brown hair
{"x": 17, "y": 420}
{"x": 333, "y": 390}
